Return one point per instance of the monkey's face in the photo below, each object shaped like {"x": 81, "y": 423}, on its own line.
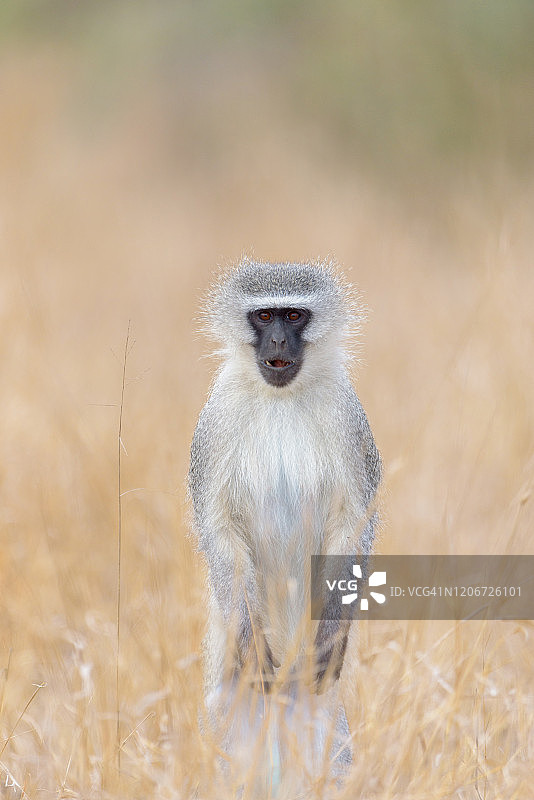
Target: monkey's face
{"x": 278, "y": 342}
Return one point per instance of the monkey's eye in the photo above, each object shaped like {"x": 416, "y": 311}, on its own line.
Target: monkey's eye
{"x": 265, "y": 316}
{"x": 293, "y": 316}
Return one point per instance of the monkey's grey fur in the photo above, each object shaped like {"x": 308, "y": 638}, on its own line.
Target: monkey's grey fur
{"x": 279, "y": 473}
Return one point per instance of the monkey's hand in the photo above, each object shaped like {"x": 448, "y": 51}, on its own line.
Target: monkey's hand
{"x": 265, "y": 666}
{"x": 269, "y": 661}
{"x": 330, "y": 645}
{"x": 254, "y": 652}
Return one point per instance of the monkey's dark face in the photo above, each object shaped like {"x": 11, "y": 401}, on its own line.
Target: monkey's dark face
{"x": 279, "y": 344}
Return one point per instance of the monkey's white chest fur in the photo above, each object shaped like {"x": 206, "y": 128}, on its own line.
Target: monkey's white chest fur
{"x": 285, "y": 489}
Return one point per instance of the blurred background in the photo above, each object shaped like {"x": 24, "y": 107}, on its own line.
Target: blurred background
{"x": 144, "y": 145}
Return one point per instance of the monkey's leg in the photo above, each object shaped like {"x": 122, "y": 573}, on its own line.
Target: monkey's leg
{"x": 315, "y": 727}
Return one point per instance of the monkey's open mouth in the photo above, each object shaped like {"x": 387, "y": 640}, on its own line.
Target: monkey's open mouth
{"x": 278, "y": 363}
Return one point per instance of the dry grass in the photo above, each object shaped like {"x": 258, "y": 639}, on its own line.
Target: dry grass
{"x": 104, "y": 224}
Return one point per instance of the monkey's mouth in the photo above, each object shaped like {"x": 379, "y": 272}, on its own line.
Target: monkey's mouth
{"x": 277, "y": 363}
{"x": 278, "y": 371}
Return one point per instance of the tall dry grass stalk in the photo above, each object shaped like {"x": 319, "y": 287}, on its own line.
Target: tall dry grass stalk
{"x": 120, "y": 448}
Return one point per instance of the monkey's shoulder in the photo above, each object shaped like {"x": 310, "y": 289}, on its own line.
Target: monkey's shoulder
{"x": 216, "y": 427}
{"x": 203, "y": 438}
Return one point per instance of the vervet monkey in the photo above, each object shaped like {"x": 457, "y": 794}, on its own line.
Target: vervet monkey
{"x": 283, "y": 466}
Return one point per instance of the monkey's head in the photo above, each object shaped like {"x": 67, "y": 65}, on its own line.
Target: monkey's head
{"x": 292, "y": 318}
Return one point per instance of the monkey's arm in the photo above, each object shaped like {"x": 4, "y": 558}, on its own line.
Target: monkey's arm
{"x": 350, "y": 533}
{"x": 333, "y": 628}
{"x": 234, "y": 618}
{"x": 233, "y": 585}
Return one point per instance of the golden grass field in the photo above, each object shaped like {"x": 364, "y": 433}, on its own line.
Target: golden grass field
{"x": 114, "y": 222}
